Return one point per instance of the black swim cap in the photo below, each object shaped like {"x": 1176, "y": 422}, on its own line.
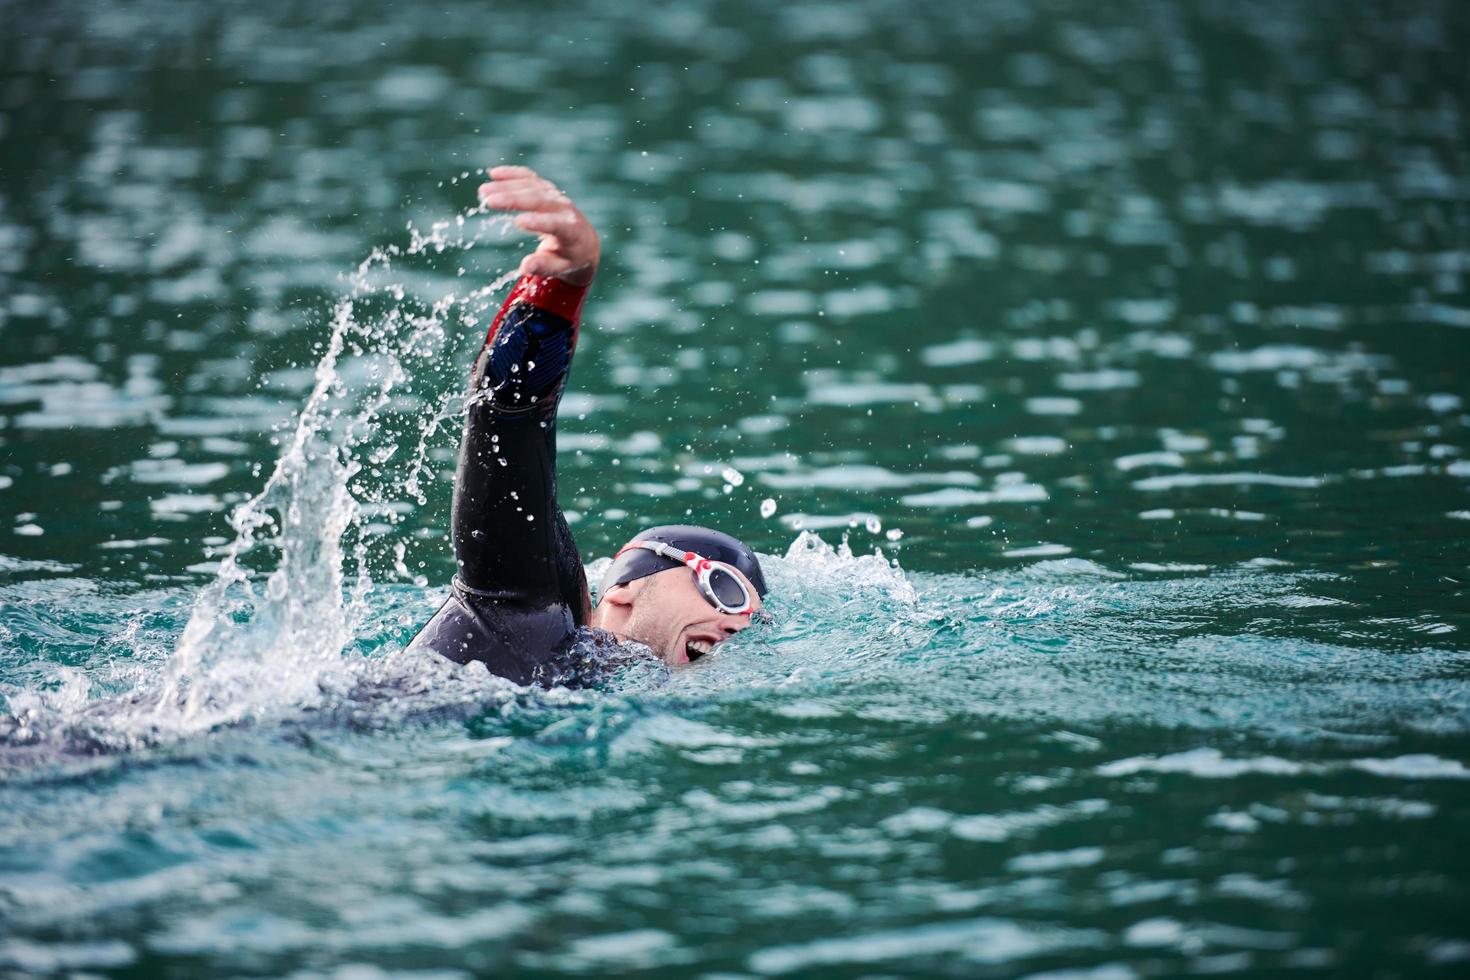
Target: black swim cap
{"x": 712, "y": 544}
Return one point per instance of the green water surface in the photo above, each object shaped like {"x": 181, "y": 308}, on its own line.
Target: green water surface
{"x": 1137, "y": 334}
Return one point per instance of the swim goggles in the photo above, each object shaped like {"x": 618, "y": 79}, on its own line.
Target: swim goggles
{"x": 720, "y": 584}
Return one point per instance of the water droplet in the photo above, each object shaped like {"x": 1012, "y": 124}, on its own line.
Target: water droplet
{"x": 874, "y": 525}
{"x": 732, "y": 476}
{"x": 768, "y": 507}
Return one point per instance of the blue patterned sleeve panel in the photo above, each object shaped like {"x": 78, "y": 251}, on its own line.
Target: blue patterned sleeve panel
{"x": 523, "y": 366}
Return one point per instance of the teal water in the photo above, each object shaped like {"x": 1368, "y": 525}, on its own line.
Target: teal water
{"x": 1093, "y": 379}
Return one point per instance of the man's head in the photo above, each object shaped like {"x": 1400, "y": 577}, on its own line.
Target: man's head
{"x": 680, "y": 589}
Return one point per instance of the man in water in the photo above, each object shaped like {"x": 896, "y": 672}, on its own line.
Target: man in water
{"x": 519, "y": 603}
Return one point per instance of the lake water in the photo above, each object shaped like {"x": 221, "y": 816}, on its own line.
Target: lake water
{"x": 1094, "y": 379}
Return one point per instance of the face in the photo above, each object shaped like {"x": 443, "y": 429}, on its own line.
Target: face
{"x": 666, "y": 612}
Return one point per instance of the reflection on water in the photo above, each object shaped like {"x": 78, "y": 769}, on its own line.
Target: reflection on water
{"x": 1135, "y": 334}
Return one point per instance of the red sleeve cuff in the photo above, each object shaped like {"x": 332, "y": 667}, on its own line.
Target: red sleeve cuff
{"x": 550, "y": 294}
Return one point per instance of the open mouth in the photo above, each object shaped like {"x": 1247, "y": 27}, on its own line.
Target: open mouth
{"x": 695, "y": 649}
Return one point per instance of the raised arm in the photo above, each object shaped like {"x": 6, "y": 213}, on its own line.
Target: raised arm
{"x": 510, "y": 540}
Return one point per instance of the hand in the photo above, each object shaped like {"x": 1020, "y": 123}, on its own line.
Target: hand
{"x": 569, "y": 248}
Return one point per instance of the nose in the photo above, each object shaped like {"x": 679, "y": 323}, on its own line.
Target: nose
{"x": 730, "y": 625}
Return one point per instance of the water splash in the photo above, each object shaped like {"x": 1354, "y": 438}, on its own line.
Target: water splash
{"x": 258, "y": 638}
{"x": 275, "y": 628}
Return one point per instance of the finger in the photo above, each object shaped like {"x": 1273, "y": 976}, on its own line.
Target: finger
{"x": 509, "y": 171}
{"x": 513, "y": 184}
{"x": 521, "y": 182}
{"x": 539, "y": 197}
{"x": 548, "y": 222}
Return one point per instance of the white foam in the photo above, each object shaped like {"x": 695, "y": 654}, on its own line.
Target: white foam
{"x": 968, "y": 350}
{"x": 1107, "y": 379}
{"x": 859, "y": 476}
{"x": 1418, "y": 766}
{"x": 1210, "y": 763}
{"x": 1205, "y": 763}
{"x": 976, "y": 940}
{"x": 1178, "y": 480}
{"x": 1038, "y": 551}
{"x": 1163, "y": 457}
{"x": 1052, "y": 405}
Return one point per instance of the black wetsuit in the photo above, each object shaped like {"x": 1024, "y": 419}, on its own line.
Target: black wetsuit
{"x": 519, "y": 602}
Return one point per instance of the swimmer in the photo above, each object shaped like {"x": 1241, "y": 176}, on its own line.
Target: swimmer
{"x": 519, "y": 603}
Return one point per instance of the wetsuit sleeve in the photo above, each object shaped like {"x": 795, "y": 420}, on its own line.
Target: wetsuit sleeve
{"x": 511, "y": 542}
